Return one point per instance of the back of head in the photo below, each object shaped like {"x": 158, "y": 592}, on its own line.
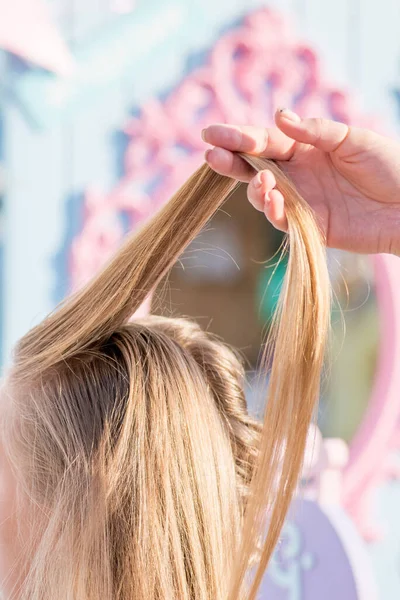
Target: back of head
{"x": 138, "y": 451}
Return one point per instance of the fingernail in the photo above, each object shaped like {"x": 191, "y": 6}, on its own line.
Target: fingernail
{"x": 203, "y": 134}
{"x": 206, "y": 153}
{"x": 288, "y": 114}
{"x": 258, "y": 181}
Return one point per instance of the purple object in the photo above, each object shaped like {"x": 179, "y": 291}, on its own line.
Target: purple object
{"x": 320, "y": 555}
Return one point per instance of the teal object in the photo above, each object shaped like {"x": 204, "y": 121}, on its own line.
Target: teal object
{"x": 269, "y": 287}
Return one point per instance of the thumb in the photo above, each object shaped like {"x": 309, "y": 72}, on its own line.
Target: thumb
{"x": 321, "y": 133}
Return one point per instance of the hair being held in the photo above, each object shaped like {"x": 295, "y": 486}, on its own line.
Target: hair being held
{"x": 140, "y": 473}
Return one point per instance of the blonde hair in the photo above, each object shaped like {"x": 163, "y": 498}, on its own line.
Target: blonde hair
{"x": 143, "y": 473}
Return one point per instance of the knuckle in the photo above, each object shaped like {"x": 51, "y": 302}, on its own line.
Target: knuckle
{"x": 263, "y": 140}
{"x": 239, "y": 138}
{"x": 232, "y": 138}
{"x": 318, "y": 129}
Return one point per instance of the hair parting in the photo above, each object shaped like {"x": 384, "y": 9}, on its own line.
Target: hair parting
{"x": 168, "y": 526}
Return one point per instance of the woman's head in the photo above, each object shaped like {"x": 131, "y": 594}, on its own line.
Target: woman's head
{"x": 130, "y": 440}
{"x": 135, "y": 456}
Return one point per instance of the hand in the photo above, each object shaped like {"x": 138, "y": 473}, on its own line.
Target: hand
{"x": 349, "y": 176}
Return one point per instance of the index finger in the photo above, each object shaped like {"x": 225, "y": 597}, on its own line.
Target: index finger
{"x": 267, "y": 142}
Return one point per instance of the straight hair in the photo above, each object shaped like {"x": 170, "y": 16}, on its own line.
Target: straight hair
{"x": 130, "y": 438}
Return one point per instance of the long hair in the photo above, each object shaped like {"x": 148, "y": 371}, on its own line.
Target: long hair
{"x": 140, "y": 473}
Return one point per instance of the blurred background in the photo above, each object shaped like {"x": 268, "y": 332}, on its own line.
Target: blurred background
{"x": 101, "y": 107}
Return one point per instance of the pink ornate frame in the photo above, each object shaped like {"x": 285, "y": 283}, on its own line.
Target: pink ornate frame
{"x": 252, "y": 69}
